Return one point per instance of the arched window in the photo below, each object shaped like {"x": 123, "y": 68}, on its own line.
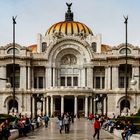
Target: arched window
{"x": 123, "y": 51}
{"x": 44, "y": 46}
{"x": 94, "y": 46}
{"x": 10, "y": 51}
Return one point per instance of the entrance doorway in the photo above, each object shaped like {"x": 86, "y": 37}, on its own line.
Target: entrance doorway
{"x": 10, "y": 105}
{"x": 122, "y": 105}
{"x": 69, "y": 104}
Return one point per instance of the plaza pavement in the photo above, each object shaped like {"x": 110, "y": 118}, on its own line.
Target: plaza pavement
{"x": 81, "y": 130}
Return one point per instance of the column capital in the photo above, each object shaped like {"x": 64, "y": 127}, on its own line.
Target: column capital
{"x": 86, "y": 96}
{"x": 22, "y": 65}
{"x": 45, "y": 95}
{"x": 51, "y": 96}
{"x": 2, "y": 65}
{"x": 62, "y": 95}
{"x": 135, "y": 66}
{"x": 115, "y": 66}
{"x": 89, "y": 67}
{"x": 75, "y": 96}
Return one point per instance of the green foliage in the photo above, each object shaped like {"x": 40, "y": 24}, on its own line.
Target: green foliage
{"x": 134, "y": 119}
{"x": 3, "y": 117}
{"x": 138, "y": 113}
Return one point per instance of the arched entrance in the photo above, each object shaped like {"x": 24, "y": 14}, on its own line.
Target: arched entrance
{"x": 123, "y": 104}
{"x": 10, "y": 106}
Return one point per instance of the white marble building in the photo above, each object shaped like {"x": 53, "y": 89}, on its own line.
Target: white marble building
{"x": 70, "y": 70}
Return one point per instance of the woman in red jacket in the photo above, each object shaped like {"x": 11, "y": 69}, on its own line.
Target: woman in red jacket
{"x": 97, "y": 127}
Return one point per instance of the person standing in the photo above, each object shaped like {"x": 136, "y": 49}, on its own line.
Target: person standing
{"x": 97, "y": 127}
{"x": 5, "y": 130}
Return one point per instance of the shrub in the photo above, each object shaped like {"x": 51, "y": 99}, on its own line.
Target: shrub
{"x": 138, "y": 113}
{"x": 3, "y": 117}
{"x": 134, "y": 119}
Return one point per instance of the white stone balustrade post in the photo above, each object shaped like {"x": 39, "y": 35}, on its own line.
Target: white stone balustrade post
{"x": 75, "y": 105}
{"x": 52, "y": 106}
{"x": 62, "y": 104}
{"x": 86, "y": 106}
{"x": 47, "y": 105}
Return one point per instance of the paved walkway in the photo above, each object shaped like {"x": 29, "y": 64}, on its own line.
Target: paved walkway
{"x": 80, "y": 130}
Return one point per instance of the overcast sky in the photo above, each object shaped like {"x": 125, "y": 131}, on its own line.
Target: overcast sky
{"x": 103, "y": 17}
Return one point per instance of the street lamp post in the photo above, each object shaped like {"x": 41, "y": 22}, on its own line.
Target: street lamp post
{"x": 126, "y": 106}
{"x": 14, "y": 23}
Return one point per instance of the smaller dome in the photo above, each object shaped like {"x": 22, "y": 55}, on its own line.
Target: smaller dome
{"x": 105, "y": 48}
{"x": 69, "y": 28}
{"x": 33, "y": 48}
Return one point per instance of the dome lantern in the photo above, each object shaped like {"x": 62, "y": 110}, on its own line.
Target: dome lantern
{"x": 69, "y": 14}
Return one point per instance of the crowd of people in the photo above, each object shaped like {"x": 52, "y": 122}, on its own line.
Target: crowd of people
{"x": 108, "y": 124}
{"x": 64, "y": 122}
{"x": 24, "y": 125}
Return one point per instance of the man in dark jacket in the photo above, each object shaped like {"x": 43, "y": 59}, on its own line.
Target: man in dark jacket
{"x": 97, "y": 127}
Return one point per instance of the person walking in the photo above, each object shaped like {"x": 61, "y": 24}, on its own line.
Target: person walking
{"x": 60, "y": 123}
{"x": 97, "y": 127}
{"x": 67, "y": 122}
{"x": 46, "y": 120}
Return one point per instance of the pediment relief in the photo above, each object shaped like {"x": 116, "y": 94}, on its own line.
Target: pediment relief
{"x": 68, "y": 59}
{"x": 10, "y": 45}
{"x": 123, "y": 45}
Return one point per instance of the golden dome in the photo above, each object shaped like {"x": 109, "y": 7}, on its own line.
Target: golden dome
{"x": 69, "y": 28}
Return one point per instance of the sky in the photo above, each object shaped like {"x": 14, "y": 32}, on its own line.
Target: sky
{"x": 105, "y": 17}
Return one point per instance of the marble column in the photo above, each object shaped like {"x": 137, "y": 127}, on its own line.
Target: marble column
{"x": 136, "y": 76}
{"x": 115, "y": 76}
{"x": 75, "y": 105}
{"x": 94, "y": 106}
{"x": 32, "y": 77}
{"x": 80, "y": 78}
{"x": 47, "y": 105}
{"x": 23, "y": 77}
{"x": 33, "y": 107}
{"x": 44, "y": 106}
{"x": 2, "y": 75}
{"x": 91, "y": 103}
{"x": 104, "y": 109}
{"x": 54, "y": 74}
{"x": 58, "y": 76}
{"x": 83, "y": 77}
{"x": 48, "y": 77}
{"x": 29, "y": 78}
{"x": 52, "y": 106}
{"x": 109, "y": 78}
{"x": 86, "y": 106}
{"x": 90, "y": 77}
{"x": 106, "y": 77}
{"x": 62, "y": 104}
